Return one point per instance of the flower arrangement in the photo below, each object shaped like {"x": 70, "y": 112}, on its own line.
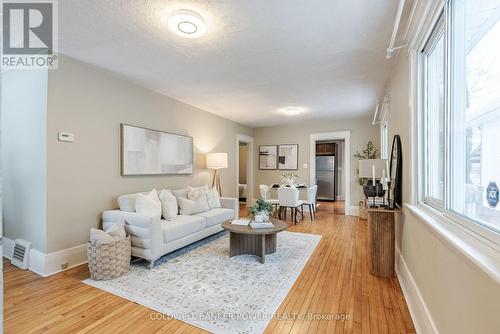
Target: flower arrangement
{"x": 289, "y": 178}
{"x": 262, "y": 207}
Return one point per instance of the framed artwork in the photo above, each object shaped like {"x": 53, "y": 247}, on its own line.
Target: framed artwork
{"x": 288, "y": 157}
{"x": 152, "y": 152}
{"x": 268, "y": 157}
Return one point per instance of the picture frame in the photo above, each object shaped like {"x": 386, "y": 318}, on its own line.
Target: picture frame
{"x": 268, "y": 157}
{"x": 149, "y": 152}
{"x": 288, "y": 157}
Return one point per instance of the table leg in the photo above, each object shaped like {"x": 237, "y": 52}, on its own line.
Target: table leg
{"x": 262, "y": 249}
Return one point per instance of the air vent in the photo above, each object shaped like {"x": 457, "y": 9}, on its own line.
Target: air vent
{"x": 20, "y": 255}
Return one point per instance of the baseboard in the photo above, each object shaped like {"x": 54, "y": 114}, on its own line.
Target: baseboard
{"x": 420, "y": 315}
{"x": 52, "y": 263}
{"x": 352, "y": 210}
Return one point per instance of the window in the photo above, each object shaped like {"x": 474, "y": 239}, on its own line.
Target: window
{"x": 475, "y": 110}
{"x": 384, "y": 138}
{"x": 434, "y": 73}
{"x": 460, "y": 115}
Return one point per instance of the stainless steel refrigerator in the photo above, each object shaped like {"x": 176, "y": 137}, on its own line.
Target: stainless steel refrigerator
{"x": 325, "y": 177}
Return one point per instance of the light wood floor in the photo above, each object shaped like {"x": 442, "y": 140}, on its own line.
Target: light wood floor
{"x": 335, "y": 281}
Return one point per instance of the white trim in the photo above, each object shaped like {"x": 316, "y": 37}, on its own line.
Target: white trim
{"x": 353, "y": 210}
{"x": 477, "y": 250}
{"x": 335, "y": 135}
{"x": 249, "y": 141}
{"x": 419, "y": 312}
{"x": 50, "y": 264}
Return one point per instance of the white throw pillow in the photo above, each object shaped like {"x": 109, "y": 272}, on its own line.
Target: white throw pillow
{"x": 199, "y": 195}
{"x": 190, "y": 207}
{"x": 100, "y": 237}
{"x": 117, "y": 230}
{"x": 168, "y": 205}
{"x": 148, "y": 204}
{"x": 127, "y": 202}
{"x": 214, "y": 199}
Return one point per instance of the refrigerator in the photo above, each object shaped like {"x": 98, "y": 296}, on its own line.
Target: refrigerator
{"x": 325, "y": 177}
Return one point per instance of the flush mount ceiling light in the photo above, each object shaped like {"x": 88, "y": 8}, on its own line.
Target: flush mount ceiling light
{"x": 292, "y": 111}
{"x": 186, "y": 23}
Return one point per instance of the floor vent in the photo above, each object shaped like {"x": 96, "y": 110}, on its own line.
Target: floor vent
{"x": 21, "y": 253}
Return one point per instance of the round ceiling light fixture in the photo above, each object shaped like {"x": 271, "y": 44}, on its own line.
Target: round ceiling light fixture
{"x": 186, "y": 23}
{"x": 292, "y": 111}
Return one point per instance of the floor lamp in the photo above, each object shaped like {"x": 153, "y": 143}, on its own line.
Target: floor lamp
{"x": 216, "y": 161}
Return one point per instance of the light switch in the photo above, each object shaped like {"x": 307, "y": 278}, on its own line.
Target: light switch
{"x": 66, "y": 137}
{"x": 305, "y": 166}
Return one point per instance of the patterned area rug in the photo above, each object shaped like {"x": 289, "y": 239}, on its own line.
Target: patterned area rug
{"x": 202, "y": 286}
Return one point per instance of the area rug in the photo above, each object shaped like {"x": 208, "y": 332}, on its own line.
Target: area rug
{"x": 202, "y": 286}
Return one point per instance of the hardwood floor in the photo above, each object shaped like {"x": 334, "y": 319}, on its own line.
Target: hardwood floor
{"x": 334, "y": 283}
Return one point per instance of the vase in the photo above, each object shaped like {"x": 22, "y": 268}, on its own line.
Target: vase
{"x": 264, "y": 215}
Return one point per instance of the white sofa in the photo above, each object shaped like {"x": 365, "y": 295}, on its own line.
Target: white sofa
{"x": 153, "y": 237}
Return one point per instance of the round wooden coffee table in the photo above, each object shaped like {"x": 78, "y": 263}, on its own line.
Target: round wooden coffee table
{"x": 254, "y": 241}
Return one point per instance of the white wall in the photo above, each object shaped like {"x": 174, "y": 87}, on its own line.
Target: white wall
{"x": 24, "y": 155}
{"x": 459, "y": 296}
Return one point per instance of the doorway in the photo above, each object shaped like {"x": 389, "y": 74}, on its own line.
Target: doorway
{"x": 329, "y": 170}
{"x": 341, "y": 187}
{"x": 244, "y": 170}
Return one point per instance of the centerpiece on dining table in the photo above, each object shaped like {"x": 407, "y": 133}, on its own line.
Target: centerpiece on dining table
{"x": 289, "y": 178}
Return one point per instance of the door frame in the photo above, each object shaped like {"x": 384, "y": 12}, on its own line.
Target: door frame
{"x": 249, "y": 141}
{"x": 350, "y": 210}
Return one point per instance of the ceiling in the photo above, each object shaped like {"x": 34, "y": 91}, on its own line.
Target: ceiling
{"x": 257, "y": 56}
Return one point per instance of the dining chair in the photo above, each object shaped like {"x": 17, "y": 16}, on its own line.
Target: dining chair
{"x": 288, "y": 197}
{"x": 310, "y": 201}
{"x": 265, "y": 194}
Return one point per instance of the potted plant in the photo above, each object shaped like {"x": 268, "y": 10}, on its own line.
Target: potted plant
{"x": 262, "y": 208}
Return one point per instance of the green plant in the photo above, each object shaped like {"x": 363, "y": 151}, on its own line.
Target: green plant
{"x": 261, "y": 205}
{"x": 370, "y": 152}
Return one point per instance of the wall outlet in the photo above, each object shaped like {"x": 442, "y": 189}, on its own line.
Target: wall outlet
{"x": 65, "y": 265}
{"x": 305, "y": 166}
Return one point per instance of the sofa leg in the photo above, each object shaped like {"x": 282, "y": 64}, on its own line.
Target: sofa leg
{"x": 151, "y": 264}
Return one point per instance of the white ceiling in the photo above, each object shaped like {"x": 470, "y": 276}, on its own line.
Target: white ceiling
{"x": 258, "y": 56}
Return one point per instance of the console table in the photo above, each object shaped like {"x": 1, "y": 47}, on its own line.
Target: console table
{"x": 381, "y": 246}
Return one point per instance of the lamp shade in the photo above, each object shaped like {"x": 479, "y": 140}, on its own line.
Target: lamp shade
{"x": 216, "y": 160}
{"x": 366, "y": 168}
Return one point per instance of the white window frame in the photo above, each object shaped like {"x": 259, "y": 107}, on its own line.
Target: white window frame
{"x": 439, "y": 210}
{"x": 437, "y": 31}
{"x": 384, "y": 137}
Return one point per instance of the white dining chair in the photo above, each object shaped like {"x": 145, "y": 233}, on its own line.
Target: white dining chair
{"x": 310, "y": 201}
{"x": 265, "y": 194}
{"x": 288, "y": 197}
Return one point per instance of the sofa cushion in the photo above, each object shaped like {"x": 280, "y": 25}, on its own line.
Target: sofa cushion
{"x": 181, "y": 226}
{"x": 180, "y": 193}
{"x": 217, "y": 216}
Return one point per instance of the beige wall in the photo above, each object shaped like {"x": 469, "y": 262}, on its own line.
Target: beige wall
{"x": 361, "y": 132}
{"x": 84, "y": 176}
{"x": 243, "y": 164}
{"x": 460, "y": 297}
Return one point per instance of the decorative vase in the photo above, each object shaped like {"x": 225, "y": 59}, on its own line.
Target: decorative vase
{"x": 264, "y": 215}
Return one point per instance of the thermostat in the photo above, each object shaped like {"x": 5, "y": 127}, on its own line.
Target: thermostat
{"x": 67, "y": 137}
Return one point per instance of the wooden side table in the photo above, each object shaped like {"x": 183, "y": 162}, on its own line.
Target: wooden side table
{"x": 381, "y": 246}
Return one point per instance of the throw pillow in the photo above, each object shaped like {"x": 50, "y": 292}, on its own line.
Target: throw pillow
{"x": 190, "y": 207}
{"x": 214, "y": 199}
{"x": 117, "y": 230}
{"x": 199, "y": 195}
{"x": 100, "y": 237}
{"x": 168, "y": 205}
{"x": 127, "y": 202}
{"x": 148, "y": 204}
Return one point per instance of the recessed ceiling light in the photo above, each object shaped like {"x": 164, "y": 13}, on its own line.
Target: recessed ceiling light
{"x": 292, "y": 111}
{"x": 186, "y": 23}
